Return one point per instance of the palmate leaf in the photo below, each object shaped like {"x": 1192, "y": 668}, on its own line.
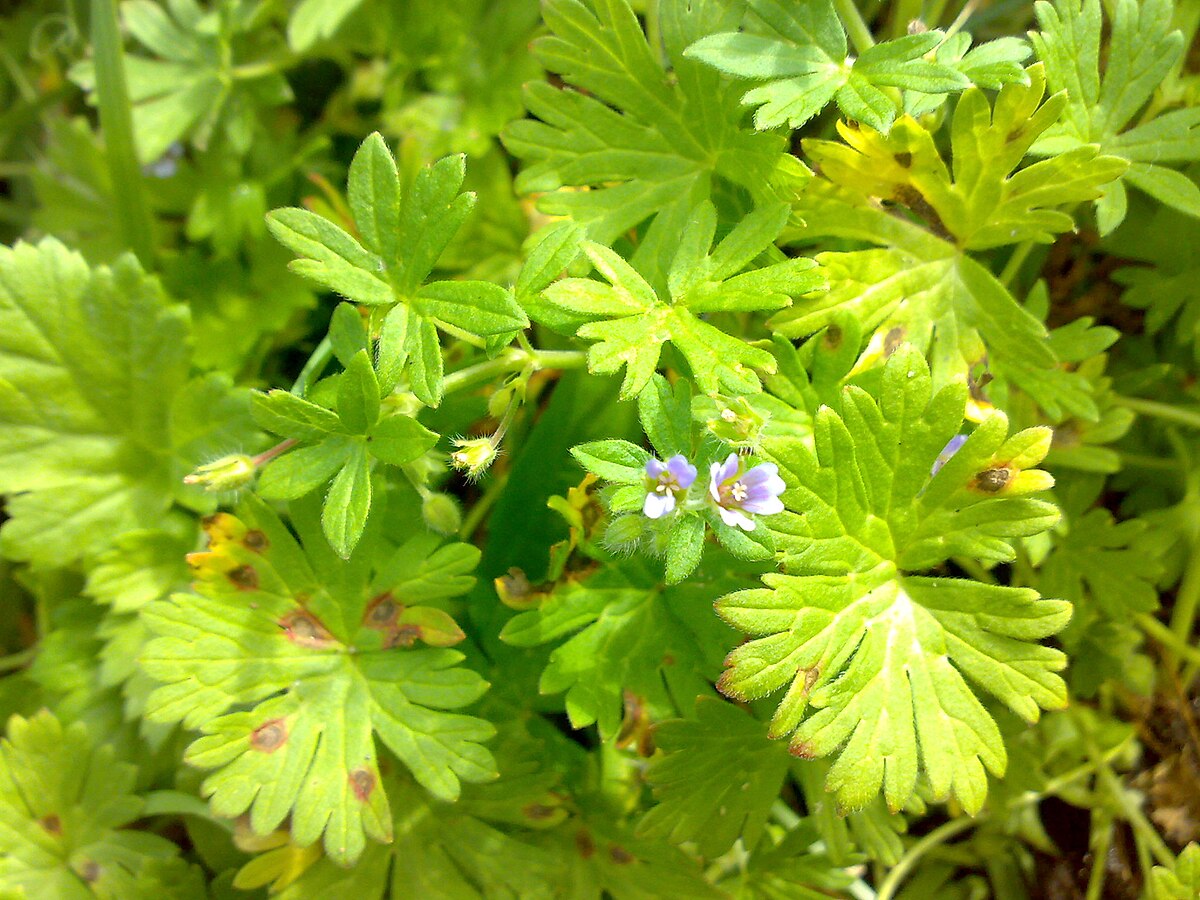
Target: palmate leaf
{"x": 64, "y": 807}
{"x": 717, "y": 780}
{"x": 643, "y": 142}
{"x": 878, "y": 660}
{"x": 629, "y": 633}
{"x": 291, "y": 661}
{"x": 98, "y": 421}
{"x": 921, "y": 284}
{"x": 188, "y": 86}
{"x": 403, "y": 234}
{"x": 802, "y": 59}
{"x": 630, "y": 319}
{"x": 1141, "y": 51}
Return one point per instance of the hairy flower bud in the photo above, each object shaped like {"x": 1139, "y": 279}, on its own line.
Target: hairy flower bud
{"x": 474, "y": 456}
{"x": 229, "y": 473}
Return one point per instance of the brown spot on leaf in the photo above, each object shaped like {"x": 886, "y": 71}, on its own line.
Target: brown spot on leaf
{"x": 269, "y": 736}
{"x": 810, "y": 678}
{"x": 52, "y": 824}
{"x": 362, "y": 782}
{"x": 993, "y": 480}
{"x": 89, "y": 871}
{"x": 893, "y": 339}
{"x": 304, "y": 629}
{"x": 404, "y": 636}
{"x": 381, "y": 612}
{"x": 620, "y": 855}
{"x": 584, "y": 843}
{"x": 832, "y": 337}
{"x": 801, "y": 750}
{"x": 255, "y": 541}
{"x": 244, "y": 578}
{"x": 538, "y": 811}
{"x": 903, "y": 159}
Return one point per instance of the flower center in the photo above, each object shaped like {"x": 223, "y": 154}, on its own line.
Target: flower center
{"x": 739, "y": 492}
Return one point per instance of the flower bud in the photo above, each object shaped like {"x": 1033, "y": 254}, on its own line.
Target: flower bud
{"x": 474, "y": 456}
{"x": 737, "y": 423}
{"x": 441, "y": 513}
{"x": 229, "y": 473}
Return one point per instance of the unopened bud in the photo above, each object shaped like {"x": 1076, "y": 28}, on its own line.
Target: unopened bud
{"x": 441, "y": 513}
{"x": 737, "y": 422}
{"x": 229, "y": 473}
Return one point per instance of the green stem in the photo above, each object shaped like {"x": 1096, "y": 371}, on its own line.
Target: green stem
{"x": 1180, "y": 647}
{"x": 1181, "y": 415}
{"x": 856, "y": 26}
{"x": 1095, "y": 886}
{"x": 116, "y": 122}
{"x": 477, "y": 513}
{"x": 513, "y": 361}
{"x": 18, "y": 660}
{"x": 1013, "y": 266}
{"x": 938, "y": 836}
{"x": 1140, "y": 461}
{"x": 315, "y": 365}
{"x": 1187, "y": 599}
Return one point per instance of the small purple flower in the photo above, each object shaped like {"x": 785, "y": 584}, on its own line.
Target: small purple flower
{"x": 737, "y": 493}
{"x": 952, "y": 446}
{"x": 664, "y": 481}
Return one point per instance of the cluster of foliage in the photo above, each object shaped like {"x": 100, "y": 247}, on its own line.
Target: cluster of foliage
{"x": 599, "y": 448}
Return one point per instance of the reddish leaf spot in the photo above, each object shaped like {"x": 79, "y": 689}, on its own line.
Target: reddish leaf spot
{"x": 269, "y": 736}
{"x": 801, "y": 751}
{"x": 52, "y": 824}
{"x": 724, "y": 686}
{"x": 244, "y": 578}
{"x": 381, "y": 612}
{"x": 538, "y": 811}
{"x": 584, "y": 844}
{"x": 255, "y": 541}
{"x": 620, "y": 855}
{"x": 90, "y": 871}
{"x": 362, "y": 782}
{"x": 304, "y": 629}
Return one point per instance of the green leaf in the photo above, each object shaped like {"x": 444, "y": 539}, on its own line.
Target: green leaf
{"x": 96, "y": 415}
{"x": 631, "y": 319}
{"x": 358, "y": 395}
{"x": 802, "y": 58}
{"x": 667, "y": 141}
{"x": 1142, "y": 51}
{"x": 404, "y": 233}
{"x": 186, "y": 90}
{"x": 313, "y": 21}
{"x": 64, "y": 807}
{"x": 716, "y": 781}
{"x": 347, "y": 333}
{"x": 398, "y": 440}
{"x": 283, "y": 413}
{"x": 1179, "y": 882}
{"x": 685, "y": 546}
{"x": 875, "y": 656}
{"x": 923, "y": 286}
{"x": 665, "y": 412}
{"x": 613, "y": 460}
{"x": 304, "y": 469}
{"x": 630, "y": 634}
{"x": 348, "y": 502}
{"x": 328, "y": 673}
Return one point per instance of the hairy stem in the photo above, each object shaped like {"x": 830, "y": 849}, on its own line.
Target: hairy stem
{"x": 856, "y": 26}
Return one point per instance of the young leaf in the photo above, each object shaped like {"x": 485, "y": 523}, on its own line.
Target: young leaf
{"x": 876, "y": 657}
{"x": 668, "y": 140}
{"x": 923, "y": 286}
{"x": 96, "y": 414}
{"x": 404, "y": 233}
{"x": 629, "y": 635}
{"x": 717, "y": 780}
{"x": 630, "y": 320}
{"x": 803, "y": 60}
{"x": 330, "y": 671}
{"x": 1142, "y": 51}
